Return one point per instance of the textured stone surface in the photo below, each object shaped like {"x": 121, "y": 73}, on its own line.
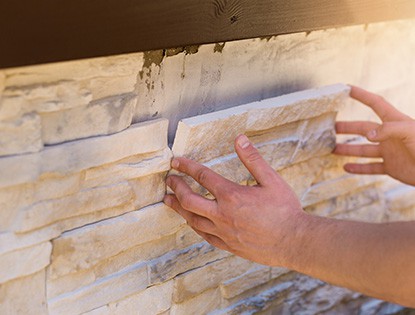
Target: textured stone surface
{"x": 223, "y": 126}
{"x": 110, "y": 289}
{"x": 260, "y": 302}
{"x": 24, "y": 262}
{"x": 251, "y": 278}
{"x": 208, "y": 301}
{"x": 178, "y": 261}
{"x": 98, "y": 118}
{"x": 92, "y": 200}
{"x": 79, "y": 155}
{"x": 85, "y": 247}
{"x": 194, "y": 282}
{"x": 153, "y": 300}
{"x": 24, "y": 296}
{"x": 21, "y": 135}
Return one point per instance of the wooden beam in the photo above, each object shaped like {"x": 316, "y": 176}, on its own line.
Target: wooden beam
{"x": 33, "y": 32}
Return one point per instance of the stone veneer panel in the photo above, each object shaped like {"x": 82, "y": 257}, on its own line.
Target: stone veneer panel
{"x": 286, "y": 130}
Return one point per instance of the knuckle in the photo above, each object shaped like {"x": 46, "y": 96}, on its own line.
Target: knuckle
{"x": 186, "y": 201}
{"x": 202, "y": 175}
{"x": 253, "y": 157}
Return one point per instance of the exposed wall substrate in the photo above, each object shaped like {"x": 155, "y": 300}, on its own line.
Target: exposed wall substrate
{"x": 84, "y": 154}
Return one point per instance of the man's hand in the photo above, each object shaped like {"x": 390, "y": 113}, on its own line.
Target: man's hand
{"x": 256, "y": 223}
{"x": 395, "y": 139}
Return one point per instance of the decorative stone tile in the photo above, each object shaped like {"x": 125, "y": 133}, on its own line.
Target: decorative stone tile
{"x": 208, "y": 301}
{"x": 73, "y": 157}
{"x": 102, "y": 117}
{"x": 222, "y": 127}
{"x": 87, "y": 201}
{"x": 85, "y": 247}
{"x": 196, "y": 281}
{"x": 329, "y": 189}
{"x": 178, "y": 261}
{"x": 132, "y": 167}
{"x": 260, "y": 302}
{"x": 251, "y": 278}
{"x": 24, "y": 262}
{"x": 24, "y": 295}
{"x": 21, "y": 135}
{"x": 286, "y": 130}
{"x": 111, "y": 289}
{"x": 153, "y": 300}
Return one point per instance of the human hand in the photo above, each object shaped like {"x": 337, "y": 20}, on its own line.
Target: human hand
{"x": 256, "y": 222}
{"x": 395, "y": 138}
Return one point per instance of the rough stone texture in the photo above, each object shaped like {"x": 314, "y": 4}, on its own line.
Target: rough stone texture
{"x": 208, "y": 301}
{"x": 98, "y": 118}
{"x": 24, "y": 295}
{"x": 83, "y": 154}
{"x": 85, "y": 247}
{"x": 21, "y": 135}
{"x": 24, "y": 262}
{"x": 113, "y": 288}
{"x": 194, "y": 282}
{"x": 223, "y": 126}
{"x": 170, "y": 265}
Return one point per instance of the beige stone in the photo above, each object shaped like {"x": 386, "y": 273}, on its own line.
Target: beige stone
{"x": 102, "y": 292}
{"x": 374, "y": 213}
{"x": 261, "y": 302}
{"x": 176, "y": 262}
{"x": 336, "y": 187}
{"x": 10, "y": 107}
{"x": 208, "y": 301}
{"x": 223, "y": 126}
{"x": 148, "y": 190}
{"x": 12, "y": 200}
{"x": 24, "y": 296}
{"x": 24, "y": 262}
{"x": 102, "y": 117}
{"x": 400, "y": 198}
{"x": 92, "y": 200}
{"x": 85, "y": 247}
{"x": 153, "y": 300}
{"x": 79, "y": 155}
{"x": 113, "y": 66}
{"x": 106, "y": 267}
{"x": 53, "y": 186}
{"x": 196, "y": 281}
{"x": 251, "y": 278}
{"x": 186, "y": 237}
{"x": 22, "y": 135}
{"x": 353, "y": 200}
{"x": 129, "y": 168}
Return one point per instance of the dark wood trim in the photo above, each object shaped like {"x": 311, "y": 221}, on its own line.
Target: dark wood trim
{"x": 42, "y": 31}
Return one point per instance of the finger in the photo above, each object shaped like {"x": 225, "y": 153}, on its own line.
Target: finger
{"x": 213, "y": 240}
{"x": 370, "y": 168}
{"x": 189, "y": 200}
{"x": 380, "y": 106}
{"x": 366, "y": 150}
{"x": 254, "y": 162}
{"x": 195, "y": 221}
{"x": 203, "y": 175}
{"x": 355, "y": 127}
{"x": 402, "y": 130}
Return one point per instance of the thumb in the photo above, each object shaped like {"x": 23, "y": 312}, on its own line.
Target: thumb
{"x": 398, "y": 130}
{"x": 254, "y": 162}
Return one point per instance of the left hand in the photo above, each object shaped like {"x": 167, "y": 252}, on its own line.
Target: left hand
{"x": 257, "y": 223}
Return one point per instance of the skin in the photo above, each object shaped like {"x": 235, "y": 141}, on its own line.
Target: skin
{"x": 267, "y": 224}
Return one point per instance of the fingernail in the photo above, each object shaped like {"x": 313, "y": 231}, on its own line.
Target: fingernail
{"x": 175, "y": 163}
{"x": 243, "y": 141}
{"x": 372, "y": 134}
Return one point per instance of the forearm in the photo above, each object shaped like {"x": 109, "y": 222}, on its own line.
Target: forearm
{"x": 375, "y": 259}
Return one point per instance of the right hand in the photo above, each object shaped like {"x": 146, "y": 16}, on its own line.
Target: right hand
{"x": 395, "y": 138}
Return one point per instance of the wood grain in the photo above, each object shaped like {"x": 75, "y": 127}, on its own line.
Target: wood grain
{"x": 33, "y": 32}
